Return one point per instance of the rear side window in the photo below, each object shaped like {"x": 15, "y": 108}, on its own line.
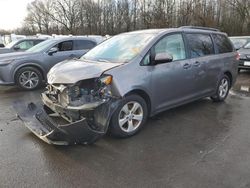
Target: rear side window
{"x": 223, "y": 44}
{"x": 84, "y": 44}
{"x": 200, "y": 45}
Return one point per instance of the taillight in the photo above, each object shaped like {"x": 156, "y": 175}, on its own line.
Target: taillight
{"x": 237, "y": 56}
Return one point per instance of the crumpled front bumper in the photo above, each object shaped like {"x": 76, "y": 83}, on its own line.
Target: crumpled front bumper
{"x": 37, "y": 119}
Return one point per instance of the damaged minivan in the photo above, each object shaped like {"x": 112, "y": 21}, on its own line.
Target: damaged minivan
{"x": 118, "y": 84}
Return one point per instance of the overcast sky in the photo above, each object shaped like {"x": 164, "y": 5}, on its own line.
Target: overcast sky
{"x": 12, "y": 13}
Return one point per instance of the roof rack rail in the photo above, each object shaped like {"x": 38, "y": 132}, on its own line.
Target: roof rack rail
{"x": 198, "y": 27}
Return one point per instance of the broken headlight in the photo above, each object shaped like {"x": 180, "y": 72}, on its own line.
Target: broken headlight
{"x": 86, "y": 91}
{"x": 104, "y": 88}
{"x": 106, "y": 79}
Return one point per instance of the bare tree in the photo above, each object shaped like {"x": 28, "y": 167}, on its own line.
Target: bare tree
{"x": 116, "y": 16}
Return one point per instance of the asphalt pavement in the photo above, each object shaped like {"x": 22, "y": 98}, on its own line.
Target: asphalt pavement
{"x": 201, "y": 144}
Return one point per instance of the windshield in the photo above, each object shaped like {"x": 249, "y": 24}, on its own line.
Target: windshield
{"x": 120, "y": 48}
{"x": 10, "y": 45}
{"x": 41, "y": 46}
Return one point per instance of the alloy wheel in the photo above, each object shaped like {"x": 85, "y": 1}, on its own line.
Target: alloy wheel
{"x": 223, "y": 88}
{"x": 29, "y": 79}
{"x": 130, "y": 116}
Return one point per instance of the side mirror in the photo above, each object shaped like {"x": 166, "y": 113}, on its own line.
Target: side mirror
{"x": 16, "y": 48}
{"x": 52, "y": 51}
{"x": 163, "y": 58}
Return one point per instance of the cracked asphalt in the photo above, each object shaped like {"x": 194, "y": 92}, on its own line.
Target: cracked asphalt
{"x": 202, "y": 144}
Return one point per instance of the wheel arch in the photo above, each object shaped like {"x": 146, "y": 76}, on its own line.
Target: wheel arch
{"x": 38, "y": 67}
{"x": 230, "y": 76}
{"x": 142, "y": 94}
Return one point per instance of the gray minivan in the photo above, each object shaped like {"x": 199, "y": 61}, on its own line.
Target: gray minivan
{"x": 118, "y": 84}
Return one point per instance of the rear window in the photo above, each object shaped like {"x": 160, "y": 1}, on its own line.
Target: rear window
{"x": 84, "y": 44}
{"x": 223, "y": 44}
{"x": 200, "y": 44}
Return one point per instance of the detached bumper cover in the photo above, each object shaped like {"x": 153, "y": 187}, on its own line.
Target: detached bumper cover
{"x": 37, "y": 119}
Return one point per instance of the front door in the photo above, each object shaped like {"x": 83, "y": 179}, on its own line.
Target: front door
{"x": 172, "y": 83}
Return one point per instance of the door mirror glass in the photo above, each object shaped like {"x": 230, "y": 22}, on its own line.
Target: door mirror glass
{"x": 52, "y": 51}
{"x": 163, "y": 58}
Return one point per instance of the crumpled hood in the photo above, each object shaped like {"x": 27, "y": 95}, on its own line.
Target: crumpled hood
{"x": 72, "y": 71}
{"x": 16, "y": 55}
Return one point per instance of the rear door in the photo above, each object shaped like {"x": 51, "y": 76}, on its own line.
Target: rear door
{"x": 201, "y": 52}
{"x": 226, "y": 58}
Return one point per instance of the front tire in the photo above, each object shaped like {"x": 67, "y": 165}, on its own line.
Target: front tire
{"x": 222, "y": 89}
{"x": 28, "y": 78}
{"x": 130, "y": 117}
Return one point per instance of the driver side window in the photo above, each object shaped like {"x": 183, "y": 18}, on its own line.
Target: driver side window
{"x": 64, "y": 46}
{"x": 173, "y": 45}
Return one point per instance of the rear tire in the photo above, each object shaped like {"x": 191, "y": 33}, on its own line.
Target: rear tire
{"x": 222, "y": 89}
{"x": 130, "y": 117}
{"x": 28, "y": 78}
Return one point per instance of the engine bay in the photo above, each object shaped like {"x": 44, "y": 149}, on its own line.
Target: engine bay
{"x": 79, "y": 94}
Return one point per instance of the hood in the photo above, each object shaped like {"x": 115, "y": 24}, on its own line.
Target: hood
{"x": 16, "y": 55}
{"x": 72, "y": 71}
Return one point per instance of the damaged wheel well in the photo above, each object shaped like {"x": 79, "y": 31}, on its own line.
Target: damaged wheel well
{"x": 142, "y": 94}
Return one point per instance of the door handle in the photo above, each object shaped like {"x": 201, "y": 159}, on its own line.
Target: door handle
{"x": 197, "y": 64}
{"x": 186, "y": 66}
